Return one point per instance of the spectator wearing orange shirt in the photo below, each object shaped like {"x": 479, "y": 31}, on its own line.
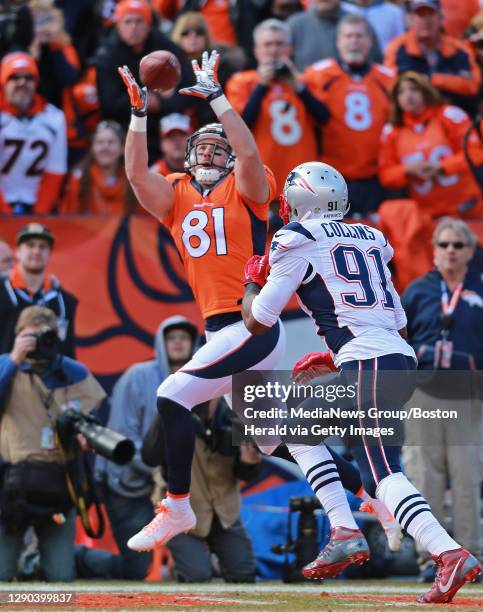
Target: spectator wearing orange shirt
{"x": 356, "y": 94}
{"x": 174, "y": 130}
{"x": 457, "y": 15}
{"x": 33, "y": 150}
{"x": 99, "y": 184}
{"x": 422, "y": 150}
{"x": 275, "y": 104}
{"x": 450, "y": 64}
{"x": 230, "y": 22}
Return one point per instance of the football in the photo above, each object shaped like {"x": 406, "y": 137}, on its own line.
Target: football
{"x": 160, "y": 70}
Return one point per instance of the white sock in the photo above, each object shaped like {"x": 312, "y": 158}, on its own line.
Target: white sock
{"x": 321, "y": 473}
{"x": 413, "y": 513}
{"x": 178, "y": 504}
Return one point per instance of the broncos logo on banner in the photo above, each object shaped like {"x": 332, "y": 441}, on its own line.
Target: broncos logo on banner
{"x": 127, "y": 276}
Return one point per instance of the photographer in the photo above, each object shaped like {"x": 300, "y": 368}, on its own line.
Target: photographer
{"x": 37, "y": 384}
{"x": 217, "y": 468}
{"x": 127, "y": 489}
{"x": 275, "y": 104}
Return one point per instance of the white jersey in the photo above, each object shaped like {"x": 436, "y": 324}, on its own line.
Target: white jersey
{"x": 340, "y": 275}
{"x": 30, "y": 146}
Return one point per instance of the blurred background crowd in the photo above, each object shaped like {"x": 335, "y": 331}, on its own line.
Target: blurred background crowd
{"x": 388, "y": 92}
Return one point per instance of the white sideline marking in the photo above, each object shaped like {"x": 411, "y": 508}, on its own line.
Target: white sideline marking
{"x": 338, "y": 587}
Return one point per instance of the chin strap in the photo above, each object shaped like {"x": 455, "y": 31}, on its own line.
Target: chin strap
{"x": 284, "y": 210}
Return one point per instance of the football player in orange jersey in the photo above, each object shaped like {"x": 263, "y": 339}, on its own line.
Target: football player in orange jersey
{"x": 356, "y": 93}
{"x": 275, "y": 104}
{"x": 217, "y": 213}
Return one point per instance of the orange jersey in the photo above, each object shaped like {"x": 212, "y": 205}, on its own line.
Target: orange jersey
{"x": 439, "y": 139}
{"x": 457, "y": 15}
{"x": 359, "y": 108}
{"x": 215, "y": 235}
{"x": 284, "y": 130}
{"x": 216, "y": 13}
{"x": 161, "y": 167}
{"x": 457, "y": 70}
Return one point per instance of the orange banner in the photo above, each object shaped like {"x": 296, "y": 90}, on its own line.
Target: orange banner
{"x": 127, "y": 276}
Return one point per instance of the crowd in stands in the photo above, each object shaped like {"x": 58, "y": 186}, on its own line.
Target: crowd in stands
{"x": 388, "y": 92}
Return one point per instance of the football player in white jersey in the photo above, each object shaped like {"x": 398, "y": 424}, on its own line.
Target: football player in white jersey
{"x": 340, "y": 275}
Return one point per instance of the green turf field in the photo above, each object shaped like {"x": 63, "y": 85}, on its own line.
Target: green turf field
{"x": 356, "y": 596}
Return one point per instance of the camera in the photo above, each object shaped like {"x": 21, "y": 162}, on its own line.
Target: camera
{"x": 220, "y": 434}
{"x": 304, "y": 504}
{"x": 104, "y": 441}
{"x": 281, "y": 70}
{"x": 305, "y": 547}
{"x": 47, "y": 345}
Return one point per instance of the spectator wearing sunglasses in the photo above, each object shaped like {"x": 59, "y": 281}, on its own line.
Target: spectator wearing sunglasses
{"x": 191, "y": 33}
{"x": 445, "y": 311}
{"x": 422, "y": 150}
{"x": 229, "y": 22}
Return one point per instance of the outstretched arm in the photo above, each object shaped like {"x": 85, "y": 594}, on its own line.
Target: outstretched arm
{"x": 153, "y": 191}
{"x": 249, "y": 171}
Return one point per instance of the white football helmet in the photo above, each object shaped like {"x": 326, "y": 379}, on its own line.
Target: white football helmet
{"x": 314, "y": 190}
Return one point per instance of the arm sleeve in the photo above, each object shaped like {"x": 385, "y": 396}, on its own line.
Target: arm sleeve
{"x": 48, "y": 193}
{"x": 8, "y": 368}
{"x": 390, "y": 54}
{"x": 316, "y": 108}
{"x": 253, "y": 106}
{"x": 386, "y": 248}
{"x": 65, "y": 63}
{"x": 286, "y": 276}
{"x": 399, "y": 313}
{"x": 391, "y": 172}
{"x": 467, "y": 85}
{"x": 456, "y": 123}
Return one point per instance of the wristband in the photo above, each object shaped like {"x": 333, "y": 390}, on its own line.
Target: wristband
{"x": 138, "y": 124}
{"x": 220, "y": 105}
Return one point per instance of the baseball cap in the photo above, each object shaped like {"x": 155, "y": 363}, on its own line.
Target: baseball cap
{"x": 13, "y": 63}
{"x": 139, "y": 7}
{"x": 175, "y": 121}
{"x": 414, "y": 5}
{"x": 35, "y": 230}
{"x": 182, "y": 324}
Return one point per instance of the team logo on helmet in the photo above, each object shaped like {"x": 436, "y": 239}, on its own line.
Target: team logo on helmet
{"x": 294, "y": 179}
